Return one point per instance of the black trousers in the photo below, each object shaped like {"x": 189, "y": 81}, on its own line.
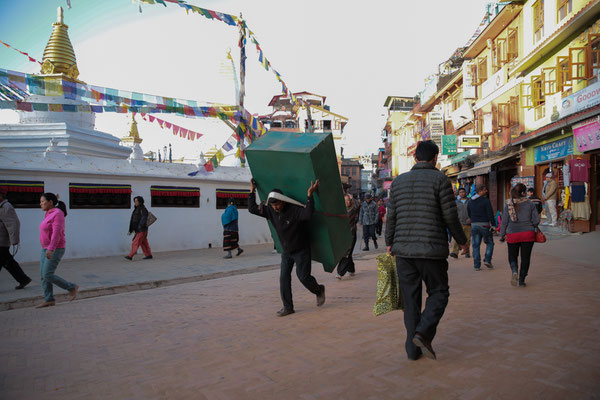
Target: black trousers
{"x": 13, "y": 267}
{"x": 303, "y": 270}
{"x": 346, "y": 264}
{"x": 379, "y": 226}
{"x": 369, "y": 233}
{"x": 411, "y": 273}
{"x": 513, "y": 258}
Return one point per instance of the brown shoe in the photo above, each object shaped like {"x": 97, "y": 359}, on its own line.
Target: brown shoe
{"x": 73, "y": 293}
{"x": 321, "y": 296}
{"x": 425, "y": 345}
{"x": 46, "y": 304}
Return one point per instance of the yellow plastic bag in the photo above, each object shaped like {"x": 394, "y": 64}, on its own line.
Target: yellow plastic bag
{"x": 389, "y": 297}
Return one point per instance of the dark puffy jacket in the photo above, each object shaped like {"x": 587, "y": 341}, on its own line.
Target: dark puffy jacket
{"x": 138, "y": 220}
{"x": 420, "y": 207}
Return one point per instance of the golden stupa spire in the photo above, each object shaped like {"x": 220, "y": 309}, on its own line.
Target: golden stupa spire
{"x": 134, "y": 135}
{"x": 59, "y": 57}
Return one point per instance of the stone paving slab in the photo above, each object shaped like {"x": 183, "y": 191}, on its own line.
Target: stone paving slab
{"x": 220, "y": 339}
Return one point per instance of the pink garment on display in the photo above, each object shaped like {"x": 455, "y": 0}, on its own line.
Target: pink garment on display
{"x": 52, "y": 230}
{"x": 580, "y": 170}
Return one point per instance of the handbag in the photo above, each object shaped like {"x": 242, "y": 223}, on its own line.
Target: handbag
{"x": 540, "y": 237}
{"x": 151, "y": 219}
{"x": 388, "y": 297}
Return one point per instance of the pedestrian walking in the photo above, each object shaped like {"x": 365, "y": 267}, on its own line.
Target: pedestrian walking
{"x": 518, "y": 229}
{"x": 346, "y": 264}
{"x": 10, "y": 228}
{"x": 463, "y": 216}
{"x": 231, "y": 236}
{"x": 550, "y": 194}
{"x": 368, "y": 219}
{"x": 139, "y": 224}
{"x": 290, "y": 220}
{"x": 52, "y": 239}
{"x": 482, "y": 226}
{"x": 381, "y": 212}
{"x": 420, "y": 207}
{"x": 537, "y": 202}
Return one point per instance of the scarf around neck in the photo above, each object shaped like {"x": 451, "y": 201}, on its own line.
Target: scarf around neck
{"x": 511, "y": 207}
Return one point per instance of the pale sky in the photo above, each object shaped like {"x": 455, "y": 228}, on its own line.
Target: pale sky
{"x": 356, "y": 56}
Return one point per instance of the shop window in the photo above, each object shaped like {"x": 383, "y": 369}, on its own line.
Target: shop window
{"x": 276, "y": 124}
{"x": 538, "y": 20}
{"x": 240, "y": 197}
{"x": 564, "y": 7}
{"x": 503, "y": 115}
{"x": 563, "y": 76}
{"x": 578, "y": 63}
{"x": 594, "y": 49}
{"x": 175, "y": 196}
{"x": 290, "y": 124}
{"x": 23, "y": 194}
{"x": 512, "y": 51}
{"x": 99, "y": 196}
{"x": 481, "y": 70}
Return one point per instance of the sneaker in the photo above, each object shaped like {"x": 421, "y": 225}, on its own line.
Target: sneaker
{"x": 284, "y": 311}
{"x": 129, "y": 258}
{"x": 515, "y": 279}
{"x": 544, "y": 223}
{"x": 338, "y": 276}
{"x": 274, "y": 251}
{"x": 552, "y": 224}
{"x": 488, "y": 264}
{"x": 228, "y": 256}
{"x": 477, "y": 269}
{"x": 148, "y": 257}
{"x": 240, "y": 251}
{"x": 453, "y": 255}
{"x": 425, "y": 345}
{"x": 375, "y": 244}
{"x": 366, "y": 248}
{"x": 321, "y": 296}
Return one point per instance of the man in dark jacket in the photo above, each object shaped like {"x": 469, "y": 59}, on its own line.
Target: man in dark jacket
{"x": 463, "y": 216}
{"x": 535, "y": 200}
{"x": 420, "y": 207}
{"x": 290, "y": 220}
{"x": 482, "y": 223}
{"x": 10, "y": 228}
{"x": 369, "y": 212}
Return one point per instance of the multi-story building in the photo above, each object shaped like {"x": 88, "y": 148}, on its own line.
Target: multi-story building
{"x": 351, "y": 175}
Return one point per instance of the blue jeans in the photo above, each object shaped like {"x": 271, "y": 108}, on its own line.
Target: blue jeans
{"x": 477, "y": 234}
{"x": 47, "y": 268}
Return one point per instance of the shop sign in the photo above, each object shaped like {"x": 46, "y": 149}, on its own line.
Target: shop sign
{"x": 430, "y": 88}
{"x": 436, "y": 123}
{"x": 469, "y": 88}
{"x": 578, "y": 101}
{"x": 459, "y": 157}
{"x": 469, "y": 141}
{"x": 553, "y": 150}
{"x": 425, "y": 134}
{"x": 494, "y": 83}
{"x": 587, "y": 135}
{"x": 448, "y": 145}
{"x": 528, "y": 181}
{"x": 462, "y": 115}
{"x": 387, "y": 185}
{"x": 385, "y": 173}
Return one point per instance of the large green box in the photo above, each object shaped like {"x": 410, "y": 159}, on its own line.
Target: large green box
{"x": 290, "y": 161}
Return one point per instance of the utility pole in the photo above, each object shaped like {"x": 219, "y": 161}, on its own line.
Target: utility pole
{"x": 242, "y": 61}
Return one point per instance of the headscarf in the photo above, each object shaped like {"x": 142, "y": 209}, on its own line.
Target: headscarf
{"x": 511, "y": 207}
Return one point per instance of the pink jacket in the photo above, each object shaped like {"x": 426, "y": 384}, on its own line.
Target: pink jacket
{"x": 52, "y": 230}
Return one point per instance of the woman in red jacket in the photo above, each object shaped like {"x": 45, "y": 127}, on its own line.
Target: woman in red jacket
{"x": 52, "y": 239}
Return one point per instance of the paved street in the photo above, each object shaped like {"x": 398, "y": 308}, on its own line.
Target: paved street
{"x": 219, "y": 339}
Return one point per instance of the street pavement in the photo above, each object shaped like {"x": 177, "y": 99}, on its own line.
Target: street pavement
{"x": 220, "y": 338}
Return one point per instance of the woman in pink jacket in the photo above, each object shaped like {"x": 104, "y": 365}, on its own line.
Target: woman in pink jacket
{"x": 52, "y": 239}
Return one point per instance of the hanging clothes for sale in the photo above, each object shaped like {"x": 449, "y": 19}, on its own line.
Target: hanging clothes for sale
{"x": 579, "y": 169}
{"x": 567, "y": 193}
{"x": 578, "y": 192}
{"x": 582, "y": 210}
{"x": 566, "y": 175}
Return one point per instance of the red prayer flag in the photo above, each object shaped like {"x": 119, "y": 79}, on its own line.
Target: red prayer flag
{"x": 175, "y": 129}
{"x": 168, "y": 124}
{"x": 160, "y": 122}
{"x": 208, "y": 166}
{"x": 152, "y": 118}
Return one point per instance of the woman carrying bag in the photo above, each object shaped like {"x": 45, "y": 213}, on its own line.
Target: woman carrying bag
{"x": 139, "y": 224}
{"x": 520, "y": 221}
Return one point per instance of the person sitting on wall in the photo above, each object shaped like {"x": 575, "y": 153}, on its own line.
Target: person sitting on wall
{"x": 290, "y": 220}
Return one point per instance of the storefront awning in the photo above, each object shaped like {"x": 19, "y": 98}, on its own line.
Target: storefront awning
{"x": 485, "y": 167}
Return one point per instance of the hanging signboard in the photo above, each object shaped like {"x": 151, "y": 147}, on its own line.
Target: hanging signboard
{"x": 469, "y": 141}
{"x": 578, "y": 101}
{"x": 469, "y": 88}
{"x": 528, "y": 181}
{"x": 448, "y": 145}
{"x": 462, "y": 115}
{"x": 553, "y": 150}
{"x": 587, "y": 135}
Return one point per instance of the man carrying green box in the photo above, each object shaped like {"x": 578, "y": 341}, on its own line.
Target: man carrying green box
{"x": 290, "y": 220}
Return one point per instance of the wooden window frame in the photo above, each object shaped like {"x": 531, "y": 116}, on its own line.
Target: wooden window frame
{"x": 525, "y": 96}
{"x": 537, "y": 90}
{"x": 512, "y": 44}
{"x": 563, "y": 74}
{"x": 538, "y": 20}
{"x": 513, "y": 116}
{"x": 503, "y": 114}
{"x": 481, "y": 70}
{"x": 501, "y": 53}
{"x": 567, "y": 5}
{"x": 550, "y": 76}
{"x": 578, "y": 69}
{"x": 593, "y": 55}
